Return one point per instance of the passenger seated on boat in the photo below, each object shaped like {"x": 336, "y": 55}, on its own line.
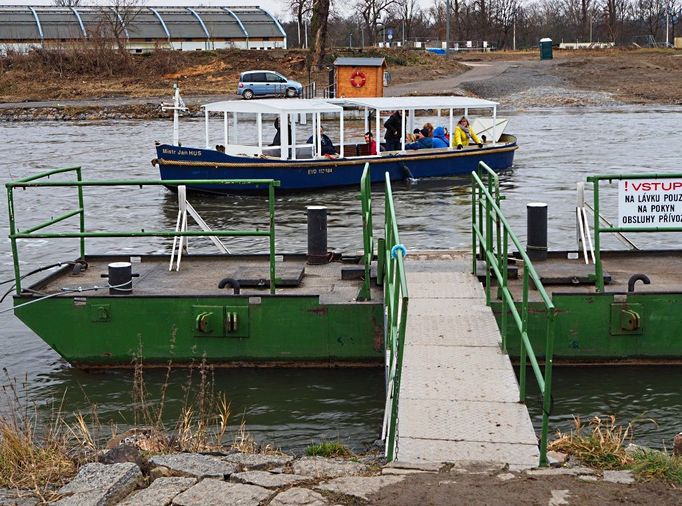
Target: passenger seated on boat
{"x": 429, "y": 128}
{"x": 276, "y": 140}
{"x": 439, "y": 140}
{"x": 371, "y": 143}
{"x": 327, "y": 144}
{"x": 393, "y": 126}
{"x": 423, "y": 141}
{"x": 220, "y": 147}
{"x": 463, "y": 133}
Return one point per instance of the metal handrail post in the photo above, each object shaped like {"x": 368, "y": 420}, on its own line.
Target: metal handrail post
{"x": 524, "y": 330}
{"x": 13, "y": 240}
{"x": 505, "y": 277}
{"x": 474, "y": 217}
{"x": 81, "y": 205}
{"x": 547, "y": 391}
{"x": 598, "y": 269}
{"x": 271, "y": 208}
{"x": 488, "y": 246}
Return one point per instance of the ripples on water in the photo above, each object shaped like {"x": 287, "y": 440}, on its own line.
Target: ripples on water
{"x": 296, "y": 407}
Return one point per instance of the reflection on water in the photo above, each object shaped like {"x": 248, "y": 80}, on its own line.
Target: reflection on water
{"x": 557, "y": 149}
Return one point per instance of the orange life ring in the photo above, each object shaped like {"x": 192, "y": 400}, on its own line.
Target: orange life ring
{"x": 358, "y": 79}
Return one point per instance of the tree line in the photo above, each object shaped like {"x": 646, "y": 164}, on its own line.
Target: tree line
{"x": 502, "y": 23}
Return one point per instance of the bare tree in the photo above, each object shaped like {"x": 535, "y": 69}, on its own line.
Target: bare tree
{"x": 116, "y": 17}
{"x": 318, "y": 28}
{"x": 407, "y": 12}
{"x": 301, "y": 9}
{"x": 372, "y": 11}
{"x": 67, "y": 3}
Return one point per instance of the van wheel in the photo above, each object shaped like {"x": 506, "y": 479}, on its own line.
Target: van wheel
{"x": 247, "y": 95}
{"x": 291, "y": 93}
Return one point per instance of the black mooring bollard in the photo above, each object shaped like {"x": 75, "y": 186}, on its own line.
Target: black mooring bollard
{"x": 317, "y": 235}
{"x": 536, "y": 247}
{"x": 120, "y": 277}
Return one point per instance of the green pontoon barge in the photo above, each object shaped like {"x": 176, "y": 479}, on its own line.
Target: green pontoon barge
{"x": 588, "y": 305}
{"x": 100, "y": 311}
{"x": 602, "y": 306}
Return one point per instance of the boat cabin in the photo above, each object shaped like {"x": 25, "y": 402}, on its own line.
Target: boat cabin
{"x": 305, "y": 119}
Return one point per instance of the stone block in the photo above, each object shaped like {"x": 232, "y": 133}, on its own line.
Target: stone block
{"x": 218, "y": 493}
{"x": 102, "y": 484}
{"x": 254, "y": 461}
{"x": 320, "y": 467}
{"x": 299, "y": 497}
{"x": 17, "y": 498}
{"x": 161, "y": 491}
{"x": 360, "y": 487}
{"x": 268, "y": 480}
{"x": 624, "y": 477}
{"x": 196, "y": 464}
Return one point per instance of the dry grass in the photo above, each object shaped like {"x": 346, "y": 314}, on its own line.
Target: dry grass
{"x": 42, "y": 452}
{"x": 32, "y": 457}
{"x": 599, "y": 444}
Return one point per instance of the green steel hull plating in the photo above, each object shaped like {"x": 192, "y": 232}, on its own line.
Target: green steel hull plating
{"x": 601, "y": 328}
{"x": 93, "y": 332}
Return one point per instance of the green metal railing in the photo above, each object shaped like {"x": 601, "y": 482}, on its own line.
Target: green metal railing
{"x": 598, "y": 230}
{"x": 391, "y": 254}
{"x": 491, "y": 233}
{"x": 367, "y": 231}
{"x": 82, "y": 234}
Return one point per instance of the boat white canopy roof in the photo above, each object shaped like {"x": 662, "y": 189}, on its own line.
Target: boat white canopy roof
{"x": 274, "y": 106}
{"x": 417, "y": 103}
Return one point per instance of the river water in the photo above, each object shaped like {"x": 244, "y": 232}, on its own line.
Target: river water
{"x": 293, "y": 408}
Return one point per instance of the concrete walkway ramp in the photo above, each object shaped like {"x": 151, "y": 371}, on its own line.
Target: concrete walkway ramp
{"x": 459, "y": 394}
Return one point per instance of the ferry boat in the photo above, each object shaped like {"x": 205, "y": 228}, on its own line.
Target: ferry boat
{"x": 300, "y": 165}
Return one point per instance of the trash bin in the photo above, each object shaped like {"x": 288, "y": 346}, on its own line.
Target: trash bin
{"x": 545, "y": 49}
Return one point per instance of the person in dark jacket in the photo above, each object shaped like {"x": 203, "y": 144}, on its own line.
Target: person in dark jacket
{"x": 327, "y": 144}
{"x": 276, "y": 140}
{"x": 393, "y": 126}
{"x": 424, "y": 141}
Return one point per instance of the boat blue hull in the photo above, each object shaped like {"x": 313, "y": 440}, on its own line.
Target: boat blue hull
{"x": 297, "y": 175}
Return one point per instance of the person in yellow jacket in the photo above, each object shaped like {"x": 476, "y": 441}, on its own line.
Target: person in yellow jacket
{"x": 463, "y": 133}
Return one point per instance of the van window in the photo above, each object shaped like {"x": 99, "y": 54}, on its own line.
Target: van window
{"x": 274, "y": 78}
{"x": 254, "y": 77}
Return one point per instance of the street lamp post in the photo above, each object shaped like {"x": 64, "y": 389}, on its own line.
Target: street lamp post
{"x": 514, "y": 32}
{"x": 447, "y": 27}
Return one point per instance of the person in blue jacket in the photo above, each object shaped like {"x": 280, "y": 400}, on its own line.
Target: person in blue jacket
{"x": 423, "y": 141}
{"x": 439, "y": 139}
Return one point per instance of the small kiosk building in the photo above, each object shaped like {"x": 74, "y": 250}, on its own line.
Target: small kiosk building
{"x": 359, "y": 77}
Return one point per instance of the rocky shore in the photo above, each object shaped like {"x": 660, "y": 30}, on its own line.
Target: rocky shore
{"x": 124, "y": 477}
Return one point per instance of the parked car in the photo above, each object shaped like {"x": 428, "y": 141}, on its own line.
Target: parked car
{"x": 266, "y": 82}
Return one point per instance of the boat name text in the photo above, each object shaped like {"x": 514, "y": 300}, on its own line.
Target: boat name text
{"x": 181, "y": 152}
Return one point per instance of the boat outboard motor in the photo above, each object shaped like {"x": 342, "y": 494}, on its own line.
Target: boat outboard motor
{"x": 120, "y": 278}
{"x": 317, "y": 235}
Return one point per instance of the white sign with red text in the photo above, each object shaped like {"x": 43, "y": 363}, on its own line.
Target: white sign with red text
{"x": 650, "y": 203}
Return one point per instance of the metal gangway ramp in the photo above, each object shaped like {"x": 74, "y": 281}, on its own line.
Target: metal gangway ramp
{"x": 451, "y": 391}
{"x": 459, "y": 397}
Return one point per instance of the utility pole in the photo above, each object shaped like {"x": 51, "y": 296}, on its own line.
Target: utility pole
{"x": 667, "y": 17}
{"x": 447, "y": 27}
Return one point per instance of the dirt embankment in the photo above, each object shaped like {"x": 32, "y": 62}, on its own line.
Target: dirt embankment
{"x": 82, "y": 73}
{"x": 91, "y": 83}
